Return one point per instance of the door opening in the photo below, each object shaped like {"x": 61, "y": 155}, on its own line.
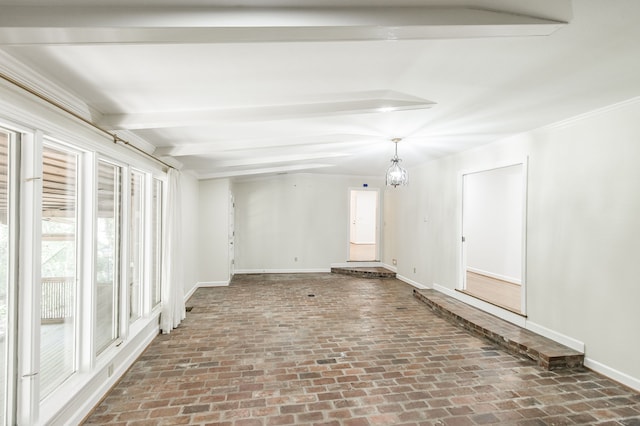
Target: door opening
{"x": 232, "y": 236}
{"x": 363, "y": 225}
{"x": 493, "y": 235}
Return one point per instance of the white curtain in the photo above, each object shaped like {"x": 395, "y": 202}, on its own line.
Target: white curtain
{"x": 173, "y": 311}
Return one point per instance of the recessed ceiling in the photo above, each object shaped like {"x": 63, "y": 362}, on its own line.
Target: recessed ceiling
{"x": 313, "y": 87}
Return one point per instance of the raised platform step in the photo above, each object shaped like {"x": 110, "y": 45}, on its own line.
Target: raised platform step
{"x": 364, "y": 272}
{"x": 547, "y": 353}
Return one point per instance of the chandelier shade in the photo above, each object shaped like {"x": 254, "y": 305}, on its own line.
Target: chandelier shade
{"x": 396, "y": 174}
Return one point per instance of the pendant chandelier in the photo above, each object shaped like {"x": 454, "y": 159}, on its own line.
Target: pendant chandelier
{"x": 396, "y": 175}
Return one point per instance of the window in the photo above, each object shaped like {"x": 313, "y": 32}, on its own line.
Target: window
{"x": 58, "y": 267}
{"x": 5, "y": 264}
{"x": 136, "y": 244}
{"x": 80, "y": 263}
{"x": 156, "y": 241}
{"x": 107, "y": 280}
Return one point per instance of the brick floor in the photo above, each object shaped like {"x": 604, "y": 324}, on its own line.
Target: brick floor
{"x": 323, "y": 349}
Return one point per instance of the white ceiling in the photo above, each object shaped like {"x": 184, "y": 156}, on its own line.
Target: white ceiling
{"x": 233, "y": 88}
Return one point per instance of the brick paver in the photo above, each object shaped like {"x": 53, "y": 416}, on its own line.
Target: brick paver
{"x": 323, "y": 349}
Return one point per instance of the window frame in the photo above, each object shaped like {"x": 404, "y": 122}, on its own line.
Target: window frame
{"x": 36, "y": 124}
{"x": 83, "y": 268}
{"x": 158, "y": 249}
{"x": 119, "y": 269}
{"x": 13, "y": 240}
{"x": 142, "y": 269}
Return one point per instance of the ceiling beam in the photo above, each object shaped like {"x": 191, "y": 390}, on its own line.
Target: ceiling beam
{"x": 166, "y": 119}
{"x": 267, "y": 170}
{"x": 66, "y": 25}
{"x": 287, "y": 158}
{"x": 337, "y": 140}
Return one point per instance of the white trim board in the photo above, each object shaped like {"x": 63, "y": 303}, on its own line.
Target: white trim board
{"x": 202, "y": 284}
{"x": 570, "y": 342}
{"x": 213, "y": 284}
{"x": 618, "y": 376}
{"x": 511, "y": 280}
{"x": 281, "y": 271}
{"x": 35, "y": 81}
{"x": 188, "y": 294}
{"x": 390, "y": 267}
{"x": 516, "y": 319}
{"x": 590, "y": 114}
{"x": 356, "y": 264}
{"x": 513, "y": 318}
{"x": 598, "y": 367}
{"x": 411, "y": 282}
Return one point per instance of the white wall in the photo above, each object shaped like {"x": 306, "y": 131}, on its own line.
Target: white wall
{"x": 293, "y": 222}
{"x": 582, "y": 230}
{"x": 213, "y": 232}
{"x": 190, "y": 230}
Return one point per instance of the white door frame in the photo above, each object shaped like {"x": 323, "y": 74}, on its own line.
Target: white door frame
{"x": 377, "y": 220}
{"x": 461, "y": 246}
{"x": 232, "y": 236}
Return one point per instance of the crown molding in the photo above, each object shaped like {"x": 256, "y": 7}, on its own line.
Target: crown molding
{"x": 141, "y": 143}
{"x": 593, "y": 113}
{"x": 35, "y": 81}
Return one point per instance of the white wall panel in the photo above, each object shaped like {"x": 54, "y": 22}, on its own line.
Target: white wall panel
{"x": 190, "y": 230}
{"x": 213, "y": 231}
{"x": 294, "y": 221}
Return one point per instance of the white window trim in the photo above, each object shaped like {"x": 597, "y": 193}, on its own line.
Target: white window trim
{"x": 107, "y": 353}
{"x": 35, "y": 122}
{"x": 13, "y": 222}
{"x": 29, "y": 297}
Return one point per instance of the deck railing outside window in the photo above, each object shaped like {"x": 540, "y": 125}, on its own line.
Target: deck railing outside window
{"x": 57, "y": 299}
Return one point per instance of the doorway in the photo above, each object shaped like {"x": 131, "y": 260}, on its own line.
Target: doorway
{"x": 232, "y": 236}
{"x": 363, "y": 225}
{"x": 493, "y": 235}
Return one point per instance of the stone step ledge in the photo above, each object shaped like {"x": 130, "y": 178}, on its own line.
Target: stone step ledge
{"x": 364, "y": 272}
{"x": 548, "y": 354}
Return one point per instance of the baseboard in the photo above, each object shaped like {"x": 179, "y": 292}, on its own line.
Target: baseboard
{"x": 203, "y": 284}
{"x": 496, "y": 276}
{"x": 390, "y": 267}
{"x": 504, "y": 314}
{"x": 281, "y": 271}
{"x": 570, "y": 342}
{"x": 213, "y": 284}
{"x": 356, "y": 264}
{"x": 188, "y": 294}
{"x": 411, "y": 282}
{"x": 513, "y": 318}
{"x": 618, "y": 376}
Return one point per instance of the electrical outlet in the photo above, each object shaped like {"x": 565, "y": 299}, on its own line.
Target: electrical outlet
{"x": 414, "y": 270}
{"x": 394, "y": 261}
